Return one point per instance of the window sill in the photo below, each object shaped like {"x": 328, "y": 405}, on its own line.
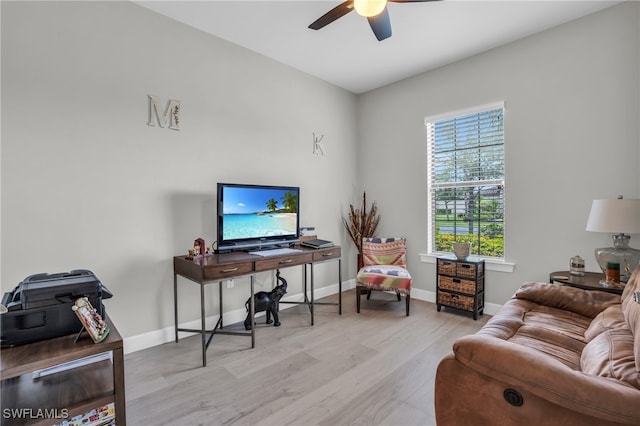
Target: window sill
{"x": 490, "y": 264}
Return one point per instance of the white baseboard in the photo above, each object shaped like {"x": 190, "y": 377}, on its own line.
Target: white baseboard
{"x": 167, "y": 334}
{"x": 430, "y": 296}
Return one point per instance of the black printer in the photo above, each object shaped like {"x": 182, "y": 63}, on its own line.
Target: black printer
{"x": 40, "y": 306}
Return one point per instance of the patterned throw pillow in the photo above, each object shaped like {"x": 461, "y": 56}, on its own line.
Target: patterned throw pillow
{"x": 384, "y": 251}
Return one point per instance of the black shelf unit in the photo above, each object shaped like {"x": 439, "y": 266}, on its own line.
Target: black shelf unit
{"x": 460, "y": 284}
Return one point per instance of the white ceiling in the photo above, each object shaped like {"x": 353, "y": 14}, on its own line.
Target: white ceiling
{"x": 347, "y": 54}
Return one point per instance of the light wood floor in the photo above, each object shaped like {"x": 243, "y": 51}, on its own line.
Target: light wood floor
{"x": 372, "y": 368}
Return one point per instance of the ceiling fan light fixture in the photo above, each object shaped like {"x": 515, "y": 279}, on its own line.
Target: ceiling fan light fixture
{"x": 369, "y": 8}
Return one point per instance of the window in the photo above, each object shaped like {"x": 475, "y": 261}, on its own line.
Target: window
{"x": 466, "y": 180}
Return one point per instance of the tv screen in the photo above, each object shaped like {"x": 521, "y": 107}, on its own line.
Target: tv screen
{"x": 257, "y": 215}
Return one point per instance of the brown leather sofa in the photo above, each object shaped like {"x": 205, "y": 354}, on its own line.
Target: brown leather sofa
{"x": 552, "y": 355}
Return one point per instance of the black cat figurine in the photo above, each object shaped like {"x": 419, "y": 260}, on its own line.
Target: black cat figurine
{"x": 267, "y": 301}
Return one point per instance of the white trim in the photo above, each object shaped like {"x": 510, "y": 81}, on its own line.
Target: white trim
{"x": 497, "y": 264}
{"x": 430, "y": 296}
{"x": 165, "y": 335}
{"x": 490, "y": 264}
{"x": 464, "y": 111}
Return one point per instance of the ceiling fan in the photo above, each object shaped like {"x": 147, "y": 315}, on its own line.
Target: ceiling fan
{"x": 374, "y": 10}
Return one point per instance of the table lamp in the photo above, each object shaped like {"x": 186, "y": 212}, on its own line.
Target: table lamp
{"x": 618, "y": 217}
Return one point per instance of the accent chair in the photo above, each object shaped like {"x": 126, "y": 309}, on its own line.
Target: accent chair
{"x": 384, "y": 269}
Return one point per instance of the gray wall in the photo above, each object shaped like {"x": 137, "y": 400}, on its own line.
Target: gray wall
{"x": 86, "y": 183}
{"x": 571, "y": 136}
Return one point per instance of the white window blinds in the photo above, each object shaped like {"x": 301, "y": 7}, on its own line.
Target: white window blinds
{"x": 466, "y": 180}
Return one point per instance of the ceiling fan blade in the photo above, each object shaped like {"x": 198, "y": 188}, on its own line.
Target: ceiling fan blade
{"x": 337, "y": 12}
{"x": 381, "y": 25}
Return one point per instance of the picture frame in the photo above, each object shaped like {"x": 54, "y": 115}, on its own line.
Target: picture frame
{"x": 91, "y": 320}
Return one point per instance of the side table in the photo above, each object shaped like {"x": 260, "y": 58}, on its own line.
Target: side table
{"x": 47, "y": 400}
{"x": 590, "y": 281}
{"x": 460, "y": 284}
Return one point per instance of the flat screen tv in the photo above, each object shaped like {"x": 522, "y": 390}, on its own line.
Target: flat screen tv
{"x": 257, "y": 216}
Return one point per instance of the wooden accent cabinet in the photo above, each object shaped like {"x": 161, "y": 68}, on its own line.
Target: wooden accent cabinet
{"x": 460, "y": 284}
{"x": 64, "y": 394}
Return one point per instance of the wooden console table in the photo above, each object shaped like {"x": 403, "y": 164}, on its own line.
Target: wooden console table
{"x": 220, "y": 267}
{"x": 65, "y": 394}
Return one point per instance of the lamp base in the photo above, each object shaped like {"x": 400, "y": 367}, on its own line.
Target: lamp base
{"x": 625, "y": 256}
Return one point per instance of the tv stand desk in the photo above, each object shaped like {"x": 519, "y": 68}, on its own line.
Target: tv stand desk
{"x": 224, "y": 266}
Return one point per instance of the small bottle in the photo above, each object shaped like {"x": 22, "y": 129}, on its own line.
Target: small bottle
{"x": 576, "y": 266}
{"x": 612, "y": 273}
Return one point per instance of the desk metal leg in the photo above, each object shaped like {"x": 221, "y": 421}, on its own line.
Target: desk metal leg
{"x": 252, "y": 310}
{"x": 175, "y": 303}
{"x": 203, "y": 327}
{"x": 220, "y": 302}
{"x": 312, "y": 296}
{"x": 305, "y": 299}
{"x": 339, "y": 286}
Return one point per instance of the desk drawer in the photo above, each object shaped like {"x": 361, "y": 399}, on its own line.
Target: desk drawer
{"x": 219, "y": 272}
{"x": 282, "y": 262}
{"x": 327, "y": 254}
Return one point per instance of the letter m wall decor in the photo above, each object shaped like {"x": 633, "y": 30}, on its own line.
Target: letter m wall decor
{"x": 170, "y": 116}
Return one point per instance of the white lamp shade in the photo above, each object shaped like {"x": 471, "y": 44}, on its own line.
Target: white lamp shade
{"x": 615, "y": 216}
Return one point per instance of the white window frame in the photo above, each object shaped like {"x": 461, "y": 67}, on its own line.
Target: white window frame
{"x": 493, "y": 263}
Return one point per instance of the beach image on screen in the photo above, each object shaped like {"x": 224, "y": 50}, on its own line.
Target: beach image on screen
{"x": 259, "y": 212}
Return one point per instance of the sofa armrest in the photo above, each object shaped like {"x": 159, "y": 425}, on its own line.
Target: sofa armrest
{"x": 529, "y": 370}
{"x": 588, "y": 303}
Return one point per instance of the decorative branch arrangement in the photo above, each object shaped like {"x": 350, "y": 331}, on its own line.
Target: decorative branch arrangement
{"x": 362, "y": 223}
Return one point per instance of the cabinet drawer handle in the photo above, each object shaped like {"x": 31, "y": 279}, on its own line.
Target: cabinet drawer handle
{"x": 457, "y": 281}
{"x": 327, "y": 254}
{"x": 229, "y": 270}
{"x": 464, "y": 265}
{"x": 286, "y": 261}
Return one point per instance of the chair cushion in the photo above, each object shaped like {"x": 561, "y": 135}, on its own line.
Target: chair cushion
{"x": 385, "y": 277}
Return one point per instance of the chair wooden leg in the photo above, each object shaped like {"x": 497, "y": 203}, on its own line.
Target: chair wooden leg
{"x": 369, "y": 295}
{"x": 398, "y": 294}
{"x": 357, "y": 299}
{"x": 407, "y": 299}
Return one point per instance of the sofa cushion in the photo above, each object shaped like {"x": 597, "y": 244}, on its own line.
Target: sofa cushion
{"x": 610, "y": 355}
{"x": 631, "y": 311}
{"x": 610, "y": 318}
{"x": 632, "y": 316}
{"x": 554, "y": 332}
{"x": 583, "y": 302}
{"x": 632, "y": 286}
